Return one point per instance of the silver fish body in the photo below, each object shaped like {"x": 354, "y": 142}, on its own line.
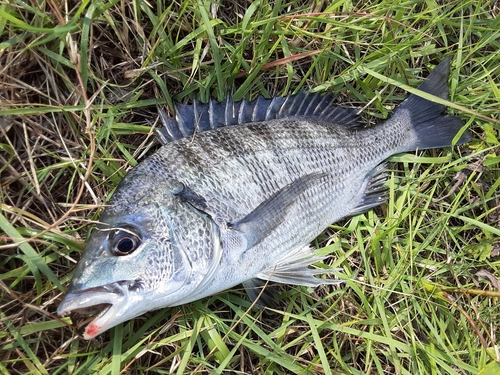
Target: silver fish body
{"x": 219, "y": 205}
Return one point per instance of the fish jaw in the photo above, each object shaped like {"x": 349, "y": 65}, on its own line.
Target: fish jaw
{"x": 114, "y": 304}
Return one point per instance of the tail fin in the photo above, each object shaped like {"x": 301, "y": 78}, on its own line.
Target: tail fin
{"x": 433, "y": 129}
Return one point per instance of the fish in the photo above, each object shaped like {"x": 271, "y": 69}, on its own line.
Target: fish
{"x": 237, "y": 192}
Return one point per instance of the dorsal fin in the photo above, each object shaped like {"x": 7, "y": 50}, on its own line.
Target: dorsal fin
{"x": 199, "y": 117}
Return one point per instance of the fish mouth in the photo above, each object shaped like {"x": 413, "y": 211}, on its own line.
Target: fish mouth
{"x": 102, "y": 303}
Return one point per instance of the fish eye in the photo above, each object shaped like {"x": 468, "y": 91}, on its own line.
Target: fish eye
{"x": 124, "y": 241}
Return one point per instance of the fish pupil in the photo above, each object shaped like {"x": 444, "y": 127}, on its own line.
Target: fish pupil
{"x": 126, "y": 245}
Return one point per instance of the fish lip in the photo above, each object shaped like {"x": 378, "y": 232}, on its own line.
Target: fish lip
{"x": 104, "y": 299}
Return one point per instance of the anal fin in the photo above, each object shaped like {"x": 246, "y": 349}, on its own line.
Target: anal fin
{"x": 373, "y": 191}
{"x": 295, "y": 269}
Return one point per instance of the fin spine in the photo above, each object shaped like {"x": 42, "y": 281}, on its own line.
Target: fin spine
{"x": 199, "y": 117}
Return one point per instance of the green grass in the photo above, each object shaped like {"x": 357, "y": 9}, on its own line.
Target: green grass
{"x": 79, "y": 84}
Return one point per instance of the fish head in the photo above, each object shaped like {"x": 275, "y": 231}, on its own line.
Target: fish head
{"x": 146, "y": 254}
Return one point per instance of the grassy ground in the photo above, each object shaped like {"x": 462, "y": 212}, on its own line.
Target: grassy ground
{"x": 79, "y": 84}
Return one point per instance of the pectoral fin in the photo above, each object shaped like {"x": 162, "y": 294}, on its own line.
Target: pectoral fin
{"x": 264, "y": 219}
{"x": 186, "y": 194}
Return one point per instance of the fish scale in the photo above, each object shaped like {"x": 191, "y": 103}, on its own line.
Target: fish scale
{"x": 236, "y": 194}
{"x": 297, "y": 157}
{"x": 294, "y": 158}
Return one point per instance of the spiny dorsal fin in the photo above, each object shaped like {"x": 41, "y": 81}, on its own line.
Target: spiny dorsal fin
{"x": 199, "y": 117}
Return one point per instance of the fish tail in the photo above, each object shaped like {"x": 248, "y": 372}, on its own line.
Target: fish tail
{"x": 430, "y": 126}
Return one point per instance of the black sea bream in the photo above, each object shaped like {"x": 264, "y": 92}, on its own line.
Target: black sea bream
{"x": 220, "y": 205}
